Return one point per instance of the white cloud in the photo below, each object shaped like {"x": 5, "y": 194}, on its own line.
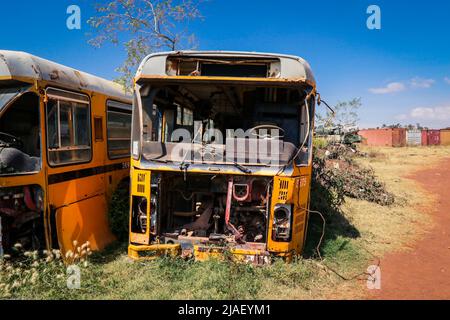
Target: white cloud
{"x": 421, "y": 83}
{"x": 390, "y": 88}
{"x": 447, "y": 79}
{"x": 429, "y": 116}
{"x": 414, "y": 83}
{"x": 439, "y": 113}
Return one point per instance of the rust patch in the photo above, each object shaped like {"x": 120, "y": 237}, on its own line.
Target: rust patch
{"x": 54, "y": 75}
{"x": 2, "y": 57}
{"x": 80, "y": 78}
{"x": 36, "y": 69}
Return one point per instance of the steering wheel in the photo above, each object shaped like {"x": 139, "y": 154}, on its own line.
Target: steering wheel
{"x": 268, "y": 127}
{"x": 10, "y": 141}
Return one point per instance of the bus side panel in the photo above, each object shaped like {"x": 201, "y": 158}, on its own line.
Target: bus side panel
{"x": 300, "y": 213}
{"x": 296, "y": 193}
{"x": 283, "y": 193}
{"x": 83, "y": 221}
{"x": 140, "y": 188}
{"x": 81, "y": 212}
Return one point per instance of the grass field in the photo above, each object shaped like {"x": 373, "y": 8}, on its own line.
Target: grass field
{"x": 353, "y": 241}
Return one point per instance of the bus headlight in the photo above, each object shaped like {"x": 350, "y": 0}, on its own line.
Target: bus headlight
{"x": 282, "y": 222}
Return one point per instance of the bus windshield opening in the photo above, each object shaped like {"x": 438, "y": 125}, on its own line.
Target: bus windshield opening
{"x": 226, "y": 124}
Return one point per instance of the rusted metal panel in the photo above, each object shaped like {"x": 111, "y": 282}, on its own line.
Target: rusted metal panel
{"x": 424, "y": 137}
{"x": 434, "y": 137}
{"x": 374, "y": 137}
{"x": 445, "y": 137}
{"x": 22, "y": 65}
{"x": 431, "y": 137}
{"x": 288, "y": 67}
{"x": 398, "y": 137}
{"x": 384, "y": 137}
{"x": 414, "y": 137}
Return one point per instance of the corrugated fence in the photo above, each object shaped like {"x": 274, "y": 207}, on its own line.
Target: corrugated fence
{"x": 431, "y": 137}
{"x": 399, "y": 137}
{"x": 414, "y": 137}
{"x": 389, "y": 137}
{"x": 445, "y": 137}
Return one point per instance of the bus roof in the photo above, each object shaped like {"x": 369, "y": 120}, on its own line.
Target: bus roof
{"x": 287, "y": 67}
{"x": 22, "y": 66}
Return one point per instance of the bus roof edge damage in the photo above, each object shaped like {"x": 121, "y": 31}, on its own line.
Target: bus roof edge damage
{"x": 285, "y": 68}
{"x": 16, "y": 65}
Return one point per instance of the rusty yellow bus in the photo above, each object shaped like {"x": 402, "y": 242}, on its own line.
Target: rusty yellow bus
{"x": 64, "y": 148}
{"x": 221, "y": 155}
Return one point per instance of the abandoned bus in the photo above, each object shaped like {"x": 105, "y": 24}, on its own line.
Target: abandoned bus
{"x": 64, "y": 148}
{"x": 221, "y": 155}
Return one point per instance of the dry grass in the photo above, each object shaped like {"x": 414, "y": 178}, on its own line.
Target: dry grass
{"x": 396, "y": 227}
{"x": 392, "y": 228}
{"x": 111, "y": 275}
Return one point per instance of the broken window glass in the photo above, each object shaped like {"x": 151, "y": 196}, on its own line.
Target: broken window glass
{"x": 119, "y": 129}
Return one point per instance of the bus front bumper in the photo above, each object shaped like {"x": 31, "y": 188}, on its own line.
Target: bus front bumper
{"x": 200, "y": 253}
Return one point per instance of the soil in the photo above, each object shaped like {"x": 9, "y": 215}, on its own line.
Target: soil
{"x": 423, "y": 272}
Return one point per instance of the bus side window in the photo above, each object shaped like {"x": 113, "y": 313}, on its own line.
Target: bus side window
{"x": 305, "y": 156}
{"x": 68, "y": 128}
{"x": 119, "y": 129}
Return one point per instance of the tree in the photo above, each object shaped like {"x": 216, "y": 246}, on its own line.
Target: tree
{"x": 346, "y": 114}
{"x": 143, "y": 27}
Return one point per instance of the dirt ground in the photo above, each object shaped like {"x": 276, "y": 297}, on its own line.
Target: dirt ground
{"x": 423, "y": 271}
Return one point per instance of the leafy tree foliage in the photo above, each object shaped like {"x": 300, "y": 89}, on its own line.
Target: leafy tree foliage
{"x": 143, "y": 27}
{"x": 346, "y": 114}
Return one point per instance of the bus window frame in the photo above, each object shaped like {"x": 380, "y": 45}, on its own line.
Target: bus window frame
{"x": 131, "y": 129}
{"x": 88, "y": 103}
{"x": 4, "y": 110}
{"x": 309, "y": 143}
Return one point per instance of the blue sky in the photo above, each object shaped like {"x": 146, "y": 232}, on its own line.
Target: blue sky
{"x": 401, "y": 72}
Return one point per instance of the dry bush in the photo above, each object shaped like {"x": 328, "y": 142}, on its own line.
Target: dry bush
{"x": 336, "y": 171}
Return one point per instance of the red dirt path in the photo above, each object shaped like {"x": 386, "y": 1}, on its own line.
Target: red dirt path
{"x": 424, "y": 271}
